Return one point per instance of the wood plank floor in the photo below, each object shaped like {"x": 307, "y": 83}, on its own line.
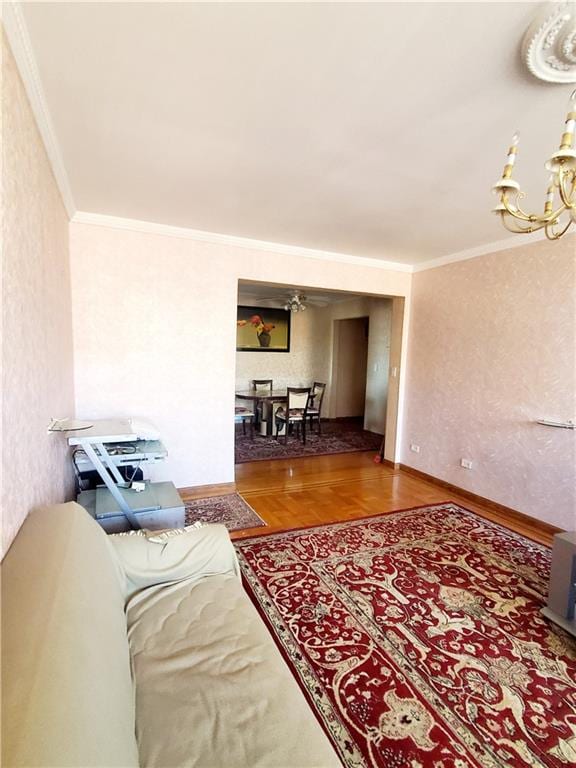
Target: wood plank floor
{"x": 291, "y": 493}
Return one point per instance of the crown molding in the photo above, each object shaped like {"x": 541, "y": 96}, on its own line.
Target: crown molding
{"x": 152, "y": 228}
{"x": 149, "y": 227}
{"x": 17, "y": 34}
{"x": 480, "y": 250}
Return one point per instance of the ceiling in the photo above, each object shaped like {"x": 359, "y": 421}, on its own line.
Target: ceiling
{"x": 371, "y": 129}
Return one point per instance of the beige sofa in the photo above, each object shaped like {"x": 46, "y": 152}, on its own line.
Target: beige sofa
{"x": 135, "y": 650}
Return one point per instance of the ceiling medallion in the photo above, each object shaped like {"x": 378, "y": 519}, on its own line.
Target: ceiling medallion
{"x": 549, "y": 45}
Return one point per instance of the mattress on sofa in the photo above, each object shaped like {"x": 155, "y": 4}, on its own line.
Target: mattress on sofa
{"x": 67, "y": 697}
{"x": 211, "y": 687}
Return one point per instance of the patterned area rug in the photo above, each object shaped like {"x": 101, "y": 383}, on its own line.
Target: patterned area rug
{"x": 417, "y": 636}
{"x": 230, "y": 510}
{"x": 337, "y": 437}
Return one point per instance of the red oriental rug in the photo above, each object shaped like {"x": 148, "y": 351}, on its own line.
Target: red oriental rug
{"x": 417, "y": 638}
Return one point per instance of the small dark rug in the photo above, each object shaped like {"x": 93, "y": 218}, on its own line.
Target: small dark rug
{"x": 336, "y": 437}
{"x": 418, "y": 639}
{"x": 230, "y": 510}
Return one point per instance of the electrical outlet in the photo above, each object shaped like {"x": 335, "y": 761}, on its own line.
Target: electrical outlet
{"x": 414, "y": 448}
{"x": 466, "y": 463}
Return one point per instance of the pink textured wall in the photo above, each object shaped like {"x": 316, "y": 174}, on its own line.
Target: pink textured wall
{"x": 37, "y": 370}
{"x": 155, "y": 334}
{"x": 492, "y": 348}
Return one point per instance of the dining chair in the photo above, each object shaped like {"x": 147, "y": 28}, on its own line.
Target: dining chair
{"x": 244, "y": 413}
{"x": 263, "y": 386}
{"x": 294, "y": 412}
{"x": 260, "y": 385}
{"x": 315, "y": 404}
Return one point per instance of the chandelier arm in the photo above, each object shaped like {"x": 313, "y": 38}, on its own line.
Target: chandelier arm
{"x": 568, "y": 198}
{"x": 553, "y": 216}
{"x": 516, "y": 212}
{"x": 549, "y": 232}
{"x": 533, "y": 218}
{"x": 536, "y": 221}
{"x": 564, "y": 195}
{"x": 520, "y": 230}
{"x": 556, "y": 235}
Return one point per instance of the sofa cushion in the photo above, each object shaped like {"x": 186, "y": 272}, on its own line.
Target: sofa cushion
{"x": 68, "y": 698}
{"x": 212, "y": 688}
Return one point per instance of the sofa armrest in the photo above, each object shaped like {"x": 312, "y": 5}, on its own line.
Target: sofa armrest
{"x": 146, "y": 558}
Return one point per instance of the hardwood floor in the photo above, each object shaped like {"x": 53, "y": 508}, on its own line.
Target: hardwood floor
{"x": 291, "y": 493}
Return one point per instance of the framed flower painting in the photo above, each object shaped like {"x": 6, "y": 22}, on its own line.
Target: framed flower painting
{"x": 262, "y": 329}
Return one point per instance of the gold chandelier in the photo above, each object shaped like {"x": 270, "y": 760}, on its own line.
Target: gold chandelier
{"x": 562, "y": 182}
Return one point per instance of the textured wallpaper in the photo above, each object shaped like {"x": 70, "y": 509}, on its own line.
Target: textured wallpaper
{"x": 492, "y": 349}
{"x": 37, "y": 370}
{"x": 166, "y": 348}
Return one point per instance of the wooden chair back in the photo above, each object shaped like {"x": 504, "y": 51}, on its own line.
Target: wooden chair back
{"x": 297, "y": 400}
{"x": 317, "y": 395}
{"x": 262, "y": 385}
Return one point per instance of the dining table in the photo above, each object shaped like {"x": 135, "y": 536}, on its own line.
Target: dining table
{"x": 264, "y": 396}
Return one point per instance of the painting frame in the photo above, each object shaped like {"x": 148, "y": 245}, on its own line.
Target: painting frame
{"x": 252, "y": 336}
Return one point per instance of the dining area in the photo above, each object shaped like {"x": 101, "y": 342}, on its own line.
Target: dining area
{"x": 311, "y": 372}
{"x": 287, "y": 422}
{"x": 280, "y": 412}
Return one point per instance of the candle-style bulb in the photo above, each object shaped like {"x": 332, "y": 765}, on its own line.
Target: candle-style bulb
{"x": 570, "y": 123}
{"x": 511, "y": 157}
{"x": 549, "y": 200}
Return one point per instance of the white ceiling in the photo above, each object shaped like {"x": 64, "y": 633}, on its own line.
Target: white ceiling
{"x": 372, "y": 129}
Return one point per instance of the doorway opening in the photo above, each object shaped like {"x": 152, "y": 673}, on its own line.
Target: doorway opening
{"x": 341, "y": 344}
{"x": 350, "y": 359}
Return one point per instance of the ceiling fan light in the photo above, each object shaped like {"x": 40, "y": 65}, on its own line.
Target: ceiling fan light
{"x": 295, "y": 303}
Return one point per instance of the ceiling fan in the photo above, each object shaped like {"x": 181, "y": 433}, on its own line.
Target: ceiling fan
{"x": 294, "y": 301}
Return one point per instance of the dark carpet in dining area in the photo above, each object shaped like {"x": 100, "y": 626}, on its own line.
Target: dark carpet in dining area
{"x": 343, "y": 436}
